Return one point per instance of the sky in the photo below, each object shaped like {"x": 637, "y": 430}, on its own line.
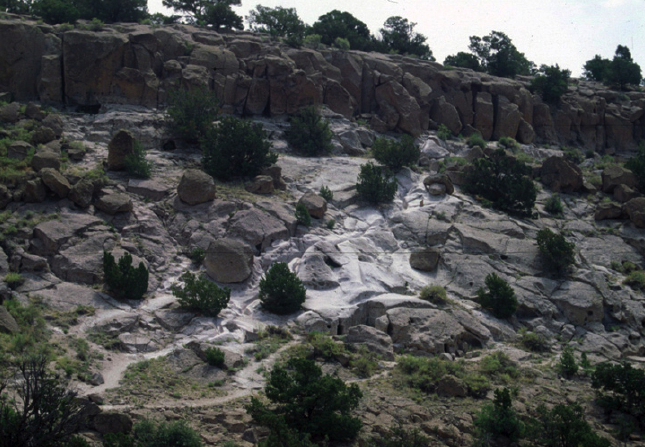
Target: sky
{"x": 567, "y": 33}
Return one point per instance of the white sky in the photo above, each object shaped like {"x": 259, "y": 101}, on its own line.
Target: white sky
{"x": 566, "y": 32}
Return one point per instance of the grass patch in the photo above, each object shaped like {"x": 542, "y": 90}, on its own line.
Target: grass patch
{"x": 270, "y": 340}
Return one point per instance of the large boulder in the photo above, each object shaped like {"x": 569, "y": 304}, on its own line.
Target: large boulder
{"x": 261, "y": 184}
{"x": 196, "y": 187}
{"x": 608, "y": 210}
{"x": 438, "y": 179}
{"x": 425, "y": 260}
{"x": 560, "y": 174}
{"x": 275, "y": 172}
{"x": 615, "y": 175}
{"x": 8, "y": 324}
{"x": 18, "y": 150}
{"x": 257, "y": 228}
{"x": 316, "y": 205}
{"x": 55, "y": 181}
{"x": 114, "y": 203}
{"x": 229, "y": 261}
{"x": 35, "y": 191}
{"x": 442, "y": 112}
{"x": 81, "y": 193}
{"x": 121, "y": 145}
{"x": 624, "y": 193}
{"x": 45, "y": 158}
{"x": 371, "y": 338}
{"x": 636, "y": 211}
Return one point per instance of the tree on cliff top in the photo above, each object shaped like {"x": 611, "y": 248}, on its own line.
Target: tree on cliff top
{"x": 217, "y": 13}
{"x": 278, "y": 21}
{"x": 399, "y": 36}
{"x": 499, "y": 57}
{"x": 341, "y": 24}
{"x": 618, "y": 72}
{"x": 60, "y": 11}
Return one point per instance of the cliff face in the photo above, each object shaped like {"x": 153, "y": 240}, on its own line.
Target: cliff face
{"x": 136, "y": 64}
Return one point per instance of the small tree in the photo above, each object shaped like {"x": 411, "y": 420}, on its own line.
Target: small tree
{"x": 463, "y": 60}
{"x": 136, "y": 163}
{"x": 124, "y": 280}
{"x": 557, "y": 253}
{"x": 621, "y": 388}
{"x": 308, "y": 133}
{"x": 504, "y": 182}
{"x": 236, "y": 147}
{"x": 553, "y": 205}
{"x": 308, "y": 402}
{"x": 191, "y": 112}
{"x": 374, "y": 186}
{"x": 277, "y": 22}
{"x": 567, "y": 365}
{"x": 326, "y": 193}
{"x": 342, "y": 24}
{"x": 499, "y": 419}
{"x": 565, "y": 426}
{"x": 498, "y": 55}
{"x": 201, "y": 295}
{"x": 394, "y": 154}
{"x": 622, "y": 70}
{"x": 281, "y": 291}
{"x": 399, "y": 36}
{"x": 45, "y": 414}
{"x": 302, "y": 215}
{"x": 215, "y": 357}
{"x": 500, "y": 297}
{"x": 551, "y": 83}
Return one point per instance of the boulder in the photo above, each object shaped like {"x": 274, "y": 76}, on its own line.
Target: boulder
{"x": 8, "y": 324}
{"x": 196, "y": 187}
{"x": 35, "y": 191}
{"x": 120, "y": 146}
{"x": 45, "y": 158}
{"x": 525, "y": 133}
{"x": 81, "y": 193}
{"x": 425, "y": 260}
{"x": 441, "y": 179}
{"x": 608, "y": 210}
{"x": 275, "y": 172}
{"x": 560, "y": 174}
{"x": 5, "y": 197}
{"x": 9, "y": 113}
{"x": 229, "y": 261}
{"x": 112, "y": 423}
{"x": 636, "y": 211}
{"x": 432, "y": 149}
{"x": 316, "y": 205}
{"x": 615, "y": 175}
{"x": 261, "y": 184}
{"x": 18, "y": 150}
{"x": 114, "y": 203}
{"x": 137, "y": 343}
{"x": 49, "y": 236}
{"x": 150, "y": 189}
{"x": 43, "y": 135}
{"x": 624, "y": 193}
{"x": 374, "y": 340}
{"x": 442, "y": 112}
{"x": 55, "y": 123}
{"x": 579, "y": 302}
{"x": 55, "y": 181}
{"x": 258, "y": 228}
{"x": 451, "y": 386}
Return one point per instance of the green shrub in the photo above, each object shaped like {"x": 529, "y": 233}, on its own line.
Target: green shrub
{"x": 476, "y": 140}
{"x": 567, "y": 365}
{"x": 325, "y": 346}
{"x": 341, "y": 44}
{"x": 551, "y": 82}
{"x": 14, "y": 279}
{"x": 434, "y": 294}
{"x": 331, "y": 223}
{"x": 500, "y": 298}
{"x": 197, "y": 255}
{"x": 150, "y": 434}
{"x": 621, "y": 388}
{"x": 533, "y": 342}
{"x": 499, "y": 365}
{"x": 573, "y": 154}
{"x": 281, "y": 291}
{"x": 503, "y": 181}
{"x": 394, "y": 154}
{"x": 424, "y": 373}
{"x": 308, "y": 133}
{"x": 312, "y": 41}
{"x": 302, "y": 215}
{"x": 305, "y": 400}
{"x": 235, "y": 147}
{"x": 124, "y": 280}
{"x": 326, "y": 193}
{"x": 509, "y": 143}
{"x": 557, "y": 253}
{"x": 191, "y": 112}
{"x": 443, "y": 132}
{"x": 636, "y": 280}
{"x": 499, "y": 419}
{"x": 215, "y": 357}
{"x": 136, "y": 163}
{"x": 374, "y": 186}
{"x": 553, "y": 205}
{"x": 636, "y": 164}
{"x": 201, "y": 295}
{"x": 563, "y": 426}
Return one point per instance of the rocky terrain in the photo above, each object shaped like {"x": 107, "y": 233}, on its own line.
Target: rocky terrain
{"x": 363, "y": 266}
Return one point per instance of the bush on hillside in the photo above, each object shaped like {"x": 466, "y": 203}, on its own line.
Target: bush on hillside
{"x": 201, "y": 295}
{"x": 235, "y": 147}
{"x": 151, "y": 434}
{"x": 553, "y": 205}
{"x": 136, "y": 163}
{"x": 567, "y": 366}
{"x": 395, "y": 154}
{"x": 443, "y": 132}
{"x": 123, "y": 279}
{"x": 620, "y": 387}
{"x": 374, "y": 186}
{"x": 500, "y": 298}
{"x": 499, "y": 419}
{"x": 281, "y": 291}
{"x": 564, "y": 425}
{"x": 503, "y": 181}
{"x": 509, "y": 143}
{"x": 302, "y": 215}
{"x": 551, "y": 83}
{"x": 191, "y": 112}
{"x": 215, "y": 357}
{"x": 476, "y": 140}
{"x": 308, "y": 133}
{"x": 326, "y": 193}
{"x": 557, "y": 253}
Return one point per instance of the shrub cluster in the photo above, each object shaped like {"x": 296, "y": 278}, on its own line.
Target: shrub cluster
{"x": 503, "y": 181}
{"x": 215, "y": 357}
{"x": 124, "y": 280}
{"x": 509, "y": 143}
{"x": 500, "y": 298}
{"x": 374, "y": 185}
{"x": 476, "y": 140}
{"x": 557, "y": 253}
{"x": 191, "y": 112}
{"x": 434, "y": 294}
{"x": 150, "y": 434}
{"x": 567, "y": 366}
{"x": 395, "y": 154}
{"x": 499, "y": 419}
{"x": 236, "y": 147}
{"x": 136, "y": 163}
{"x": 302, "y": 215}
{"x": 621, "y": 387}
{"x": 306, "y": 402}
{"x": 308, "y": 133}
{"x": 443, "y": 132}
{"x": 281, "y": 291}
{"x": 551, "y": 83}
{"x": 201, "y": 295}
{"x": 326, "y": 193}
{"x": 553, "y": 205}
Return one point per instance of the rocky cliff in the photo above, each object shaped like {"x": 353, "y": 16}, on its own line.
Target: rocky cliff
{"x": 252, "y": 75}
